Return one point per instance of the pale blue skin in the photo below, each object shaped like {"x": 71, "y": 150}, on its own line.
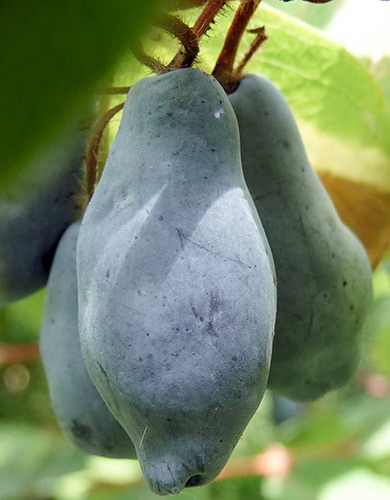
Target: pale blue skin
{"x": 33, "y": 219}
{"x": 177, "y": 285}
{"x": 79, "y": 408}
{"x": 324, "y": 275}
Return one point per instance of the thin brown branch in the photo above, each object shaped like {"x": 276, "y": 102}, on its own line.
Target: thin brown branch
{"x": 18, "y": 353}
{"x": 150, "y": 62}
{"x": 179, "y": 29}
{"x": 91, "y": 171}
{"x": 258, "y": 41}
{"x": 182, "y": 59}
{"x": 113, "y": 90}
{"x": 223, "y": 70}
{"x": 207, "y": 16}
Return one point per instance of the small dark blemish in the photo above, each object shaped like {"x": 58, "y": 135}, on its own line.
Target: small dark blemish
{"x": 81, "y": 431}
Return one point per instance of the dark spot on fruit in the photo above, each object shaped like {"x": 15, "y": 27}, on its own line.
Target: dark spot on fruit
{"x": 161, "y": 217}
{"x": 103, "y": 370}
{"x": 81, "y": 431}
{"x": 344, "y": 283}
{"x": 194, "y": 481}
{"x": 234, "y": 358}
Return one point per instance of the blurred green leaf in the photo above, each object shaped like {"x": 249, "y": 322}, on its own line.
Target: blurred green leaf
{"x": 319, "y": 428}
{"x": 306, "y": 480}
{"x": 21, "y": 320}
{"x": 31, "y": 459}
{"x": 359, "y": 484}
{"x": 52, "y": 57}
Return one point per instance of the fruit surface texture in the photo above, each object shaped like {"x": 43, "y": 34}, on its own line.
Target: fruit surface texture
{"x": 35, "y": 214}
{"x": 80, "y": 410}
{"x": 324, "y": 276}
{"x": 176, "y": 281}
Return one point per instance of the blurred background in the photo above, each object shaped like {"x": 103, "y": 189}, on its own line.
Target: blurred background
{"x": 335, "y": 448}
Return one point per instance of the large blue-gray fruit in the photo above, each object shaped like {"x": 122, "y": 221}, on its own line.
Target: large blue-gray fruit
{"x": 176, "y": 281}
{"x": 80, "y": 410}
{"x": 35, "y": 214}
{"x": 324, "y": 276}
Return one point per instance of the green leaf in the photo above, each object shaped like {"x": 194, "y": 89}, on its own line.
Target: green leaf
{"x": 52, "y": 57}
{"x": 31, "y": 459}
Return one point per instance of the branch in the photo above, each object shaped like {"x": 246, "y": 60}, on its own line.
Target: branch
{"x": 91, "y": 161}
{"x": 179, "y": 29}
{"x": 19, "y": 353}
{"x": 223, "y": 70}
{"x": 258, "y": 41}
{"x": 182, "y": 58}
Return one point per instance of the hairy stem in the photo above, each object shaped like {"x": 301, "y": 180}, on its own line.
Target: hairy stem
{"x": 182, "y": 58}
{"x": 259, "y": 39}
{"x": 113, "y": 90}
{"x": 150, "y": 62}
{"x": 91, "y": 170}
{"x": 223, "y": 70}
{"x": 179, "y": 29}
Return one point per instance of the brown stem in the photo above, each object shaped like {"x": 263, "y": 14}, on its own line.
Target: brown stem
{"x": 207, "y": 16}
{"x": 177, "y": 28}
{"x": 182, "y": 59}
{"x": 150, "y": 62}
{"x": 113, "y": 90}
{"x": 91, "y": 171}
{"x": 223, "y": 70}
{"x": 18, "y": 353}
{"x": 260, "y": 38}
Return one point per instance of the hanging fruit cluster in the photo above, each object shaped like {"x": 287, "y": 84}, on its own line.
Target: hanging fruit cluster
{"x": 210, "y": 263}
